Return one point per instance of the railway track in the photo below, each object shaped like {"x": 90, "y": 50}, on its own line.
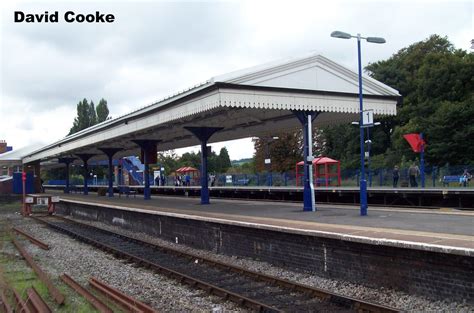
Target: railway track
{"x": 250, "y": 289}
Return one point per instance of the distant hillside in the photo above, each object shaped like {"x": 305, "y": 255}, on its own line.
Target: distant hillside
{"x": 241, "y": 161}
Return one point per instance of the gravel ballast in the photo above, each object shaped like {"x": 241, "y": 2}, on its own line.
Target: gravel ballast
{"x": 82, "y": 261}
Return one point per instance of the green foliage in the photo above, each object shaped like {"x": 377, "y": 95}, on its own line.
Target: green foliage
{"x": 223, "y": 161}
{"x": 436, "y": 83}
{"x": 216, "y": 163}
{"x": 102, "y": 111}
{"x": 88, "y": 115}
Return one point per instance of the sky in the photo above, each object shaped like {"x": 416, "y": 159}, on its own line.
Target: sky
{"x": 154, "y": 49}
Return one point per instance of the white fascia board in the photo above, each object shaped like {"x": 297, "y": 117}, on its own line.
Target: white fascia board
{"x": 261, "y": 99}
{"x": 123, "y": 118}
{"x": 218, "y": 100}
{"x": 103, "y": 134}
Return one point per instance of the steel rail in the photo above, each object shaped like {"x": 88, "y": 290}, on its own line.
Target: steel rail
{"x": 93, "y": 300}
{"x": 20, "y": 304}
{"x": 183, "y": 278}
{"x": 33, "y": 240}
{"x": 55, "y": 293}
{"x": 35, "y": 303}
{"x": 5, "y": 305}
{"x": 120, "y": 298}
{"x": 322, "y": 294}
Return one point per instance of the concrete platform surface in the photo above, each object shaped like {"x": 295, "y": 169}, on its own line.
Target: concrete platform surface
{"x": 449, "y": 230}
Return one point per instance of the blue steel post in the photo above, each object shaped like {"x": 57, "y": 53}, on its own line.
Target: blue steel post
{"x": 369, "y": 170}
{"x": 110, "y": 190}
{"x": 86, "y": 170}
{"x": 204, "y": 181}
{"x": 303, "y": 118}
{"x": 203, "y": 134}
{"x": 66, "y": 188}
{"x": 110, "y": 155}
{"x": 85, "y": 157}
{"x": 422, "y": 162}
{"x": 146, "y": 176}
{"x": 363, "y": 182}
{"x": 67, "y": 161}
{"x": 148, "y": 147}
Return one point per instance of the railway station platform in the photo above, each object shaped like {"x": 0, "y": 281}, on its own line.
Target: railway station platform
{"x": 433, "y": 197}
{"x": 425, "y": 252}
{"x": 445, "y": 229}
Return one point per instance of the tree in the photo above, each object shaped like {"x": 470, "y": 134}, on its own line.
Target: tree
{"x": 82, "y": 120}
{"x": 92, "y": 114}
{"x": 87, "y": 115}
{"x": 434, "y": 79}
{"x": 223, "y": 161}
{"x": 102, "y": 111}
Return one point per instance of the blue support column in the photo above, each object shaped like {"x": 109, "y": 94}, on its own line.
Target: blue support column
{"x": 85, "y": 157}
{"x": 109, "y": 152}
{"x": 67, "y": 161}
{"x": 422, "y": 162}
{"x": 303, "y": 118}
{"x": 203, "y": 134}
{"x": 147, "y": 146}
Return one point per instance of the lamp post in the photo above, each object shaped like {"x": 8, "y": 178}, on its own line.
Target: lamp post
{"x": 363, "y": 182}
{"x": 369, "y": 144}
{"x": 268, "y": 162}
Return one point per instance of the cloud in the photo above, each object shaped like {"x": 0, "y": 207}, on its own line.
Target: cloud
{"x": 154, "y": 49}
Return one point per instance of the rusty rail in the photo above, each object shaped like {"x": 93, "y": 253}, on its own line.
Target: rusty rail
{"x": 35, "y": 303}
{"x": 5, "y": 305}
{"x": 55, "y": 293}
{"x": 33, "y": 240}
{"x": 325, "y": 295}
{"x": 20, "y": 304}
{"x": 96, "y": 303}
{"x": 125, "y": 301}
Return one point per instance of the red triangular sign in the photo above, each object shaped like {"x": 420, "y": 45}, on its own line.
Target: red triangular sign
{"x": 415, "y": 141}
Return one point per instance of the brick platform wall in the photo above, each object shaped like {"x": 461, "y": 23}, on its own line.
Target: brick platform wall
{"x": 431, "y": 274}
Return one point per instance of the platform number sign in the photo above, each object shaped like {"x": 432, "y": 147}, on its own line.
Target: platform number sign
{"x": 368, "y": 118}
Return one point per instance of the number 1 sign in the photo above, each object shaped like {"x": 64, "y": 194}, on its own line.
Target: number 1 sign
{"x": 368, "y": 118}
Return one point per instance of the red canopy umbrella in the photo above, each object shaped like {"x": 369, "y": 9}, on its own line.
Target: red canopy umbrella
{"x": 186, "y": 169}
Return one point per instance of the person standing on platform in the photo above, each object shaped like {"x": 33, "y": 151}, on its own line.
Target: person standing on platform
{"x": 188, "y": 180}
{"x": 396, "y": 176}
{"x": 465, "y": 178}
{"x": 413, "y": 172}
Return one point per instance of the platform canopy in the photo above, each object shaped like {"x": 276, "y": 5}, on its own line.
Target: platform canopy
{"x": 252, "y": 102}
{"x": 15, "y": 157}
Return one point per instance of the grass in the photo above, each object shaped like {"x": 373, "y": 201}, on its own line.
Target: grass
{"x": 15, "y": 272}
{"x": 9, "y": 207}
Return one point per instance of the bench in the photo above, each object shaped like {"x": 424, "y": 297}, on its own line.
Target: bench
{"x": 242, "y": 182}
{"x": 321, "y": 181}
{"x": 451, "y": 179}
{"x": 125, "y": 190}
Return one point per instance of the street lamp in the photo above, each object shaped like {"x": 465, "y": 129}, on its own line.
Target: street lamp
{"x": 268, "y": 161}
{"x": 369, "y": 144}
{"x": 363, "y": 182}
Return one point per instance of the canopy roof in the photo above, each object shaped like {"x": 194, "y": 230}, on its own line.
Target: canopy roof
{"x": 321, "y": 160}
{"x": 15, "y": 157}
{"x": 252, "y": 102}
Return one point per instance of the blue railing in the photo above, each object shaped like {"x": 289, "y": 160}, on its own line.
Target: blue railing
{"x": 381, "y": 177}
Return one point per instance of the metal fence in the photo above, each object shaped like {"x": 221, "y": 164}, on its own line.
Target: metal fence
{"x": 381, "y": 177}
